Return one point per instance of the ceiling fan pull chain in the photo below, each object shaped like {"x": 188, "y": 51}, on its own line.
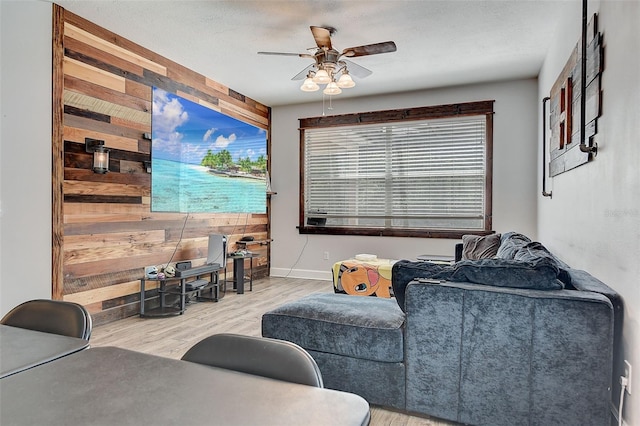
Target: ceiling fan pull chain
{"x": 323, "y": 104}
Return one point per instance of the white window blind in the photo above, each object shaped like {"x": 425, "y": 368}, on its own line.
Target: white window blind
{"x": 427, "y": 174}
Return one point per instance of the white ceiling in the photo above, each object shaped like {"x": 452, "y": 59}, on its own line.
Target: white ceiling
{"x": 440, "y": 43}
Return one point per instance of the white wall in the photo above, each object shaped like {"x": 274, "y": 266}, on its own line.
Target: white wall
{"x": 593, "y": 219}
{"x": 25, "y": 152}
{"x": 514, "y": 176}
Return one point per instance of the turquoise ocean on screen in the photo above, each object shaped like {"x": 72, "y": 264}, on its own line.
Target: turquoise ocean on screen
{"x": 183, "y": 187}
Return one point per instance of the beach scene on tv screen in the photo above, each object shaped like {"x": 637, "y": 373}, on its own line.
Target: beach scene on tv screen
{"x": 203, "y": 160}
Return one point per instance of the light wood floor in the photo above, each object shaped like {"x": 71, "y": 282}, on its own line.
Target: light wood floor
{"x": 173, "y": 336}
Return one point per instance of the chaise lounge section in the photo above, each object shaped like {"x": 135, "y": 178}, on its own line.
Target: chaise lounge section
{"x": 499, "y": 354}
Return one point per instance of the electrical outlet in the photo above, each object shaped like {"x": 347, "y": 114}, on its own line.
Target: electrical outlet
{"x": 627, "y": 374}
{"x": 326, "y": 255}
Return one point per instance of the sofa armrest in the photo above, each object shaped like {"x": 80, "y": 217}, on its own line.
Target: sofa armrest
{"x": 584, "y": 281}
{"x": 491, "y": 355}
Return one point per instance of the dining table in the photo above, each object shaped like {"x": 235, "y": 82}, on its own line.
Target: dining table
{"x": 110, "y": 385}
{"x": 22, "y": 349}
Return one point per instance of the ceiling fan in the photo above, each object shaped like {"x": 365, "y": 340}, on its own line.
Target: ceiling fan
{"x": 330, "y": 67}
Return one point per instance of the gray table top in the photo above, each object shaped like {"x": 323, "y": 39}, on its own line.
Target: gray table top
{"x": 240, "y": 255}
{"x": 108, "y": 386}
{"x": 21, "y": 349}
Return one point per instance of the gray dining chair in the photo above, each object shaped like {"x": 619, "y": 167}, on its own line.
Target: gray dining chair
{"x": 261, "y": 356}
{"x": 51, "y": 316}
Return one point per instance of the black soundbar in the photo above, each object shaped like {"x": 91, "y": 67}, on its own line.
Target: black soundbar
{"x": 204, "y": 269}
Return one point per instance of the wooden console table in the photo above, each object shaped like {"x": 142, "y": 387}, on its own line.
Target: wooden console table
{"x": 178, "y": 286}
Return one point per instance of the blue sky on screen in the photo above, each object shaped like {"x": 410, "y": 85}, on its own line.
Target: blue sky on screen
{"x": 183, "y": 131}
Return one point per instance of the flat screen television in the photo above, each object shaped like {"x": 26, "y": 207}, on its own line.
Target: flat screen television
{"x": 203, "y": 160}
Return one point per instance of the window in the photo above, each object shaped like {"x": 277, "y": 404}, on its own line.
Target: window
{"x": 414, "y": 172}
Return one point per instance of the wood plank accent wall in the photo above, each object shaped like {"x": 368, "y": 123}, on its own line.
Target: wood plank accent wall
{"x": 104, "y": 232}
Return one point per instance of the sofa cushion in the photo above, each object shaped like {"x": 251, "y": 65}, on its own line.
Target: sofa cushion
{"x": 480, "y": 247}
{"x": 360, "y": 327}
{"x": 535, "y": 250}
{"x": 538, "y": 274}
{"x": 405, "y": 271}
{"x": 510, "y": 243}
{"x": 380, "y": 383}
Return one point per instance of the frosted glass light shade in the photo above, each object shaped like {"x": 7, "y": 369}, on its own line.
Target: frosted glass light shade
{"x": 322, "y": 77}
{"x": 345, "y": 81}
{"x": 332, "y": 89}
{"x": 309, "y": 85}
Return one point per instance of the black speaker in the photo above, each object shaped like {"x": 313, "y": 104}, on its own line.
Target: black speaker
{"x": 315, "y": 218}
{"x": 316, "y": 221}
{"x": 183, "y": 266}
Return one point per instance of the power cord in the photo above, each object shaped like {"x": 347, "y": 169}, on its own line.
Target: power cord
{"x": 233, "y": 230}
{"x": 246, "y": 222}
{"x": 306, "y": 241}
{"x": 163, "y": 268}
{"x": 179, "y": 241}
{"x": 623, "y": 387}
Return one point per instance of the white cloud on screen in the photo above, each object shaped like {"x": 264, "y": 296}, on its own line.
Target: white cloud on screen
{"x": 168, "y": 115}
{"x": 208, "y": 134}
{"x": 222, "y": 142}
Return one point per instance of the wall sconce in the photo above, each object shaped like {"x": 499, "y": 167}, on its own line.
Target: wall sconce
{"x": 100, "y": 154}
{"x": 147, "y": 166}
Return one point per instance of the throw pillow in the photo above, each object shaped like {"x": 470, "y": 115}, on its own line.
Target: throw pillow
{"x": 540, "y": 274}
{"x": 510, "y": 243}
{"x": 475, "y": 247}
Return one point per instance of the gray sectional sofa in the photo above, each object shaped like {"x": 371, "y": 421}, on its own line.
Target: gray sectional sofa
{"x": 512, "y": 337}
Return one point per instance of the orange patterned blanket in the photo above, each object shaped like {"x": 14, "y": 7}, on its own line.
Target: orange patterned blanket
{"x": 363, "y": 278}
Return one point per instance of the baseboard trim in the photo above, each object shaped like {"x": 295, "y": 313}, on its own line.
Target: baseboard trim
{"x": 301, "y": 273}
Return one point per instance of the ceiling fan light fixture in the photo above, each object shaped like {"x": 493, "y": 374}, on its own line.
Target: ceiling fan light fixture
{"x": 332, "y": 89}
{"x": 322, "y": 77}
{"x": 328, "y": 69}
{"x": 309, "y": 85}
{"x": 345, "y": 81}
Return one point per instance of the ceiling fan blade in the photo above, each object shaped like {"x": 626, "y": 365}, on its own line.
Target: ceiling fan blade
{"x": 369, "y": 49}
{"x": 357, "y": 70}
{"x": 301, "y": 55}
{"x": 303, "y": 74}
{"x": 322, "y": 36}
